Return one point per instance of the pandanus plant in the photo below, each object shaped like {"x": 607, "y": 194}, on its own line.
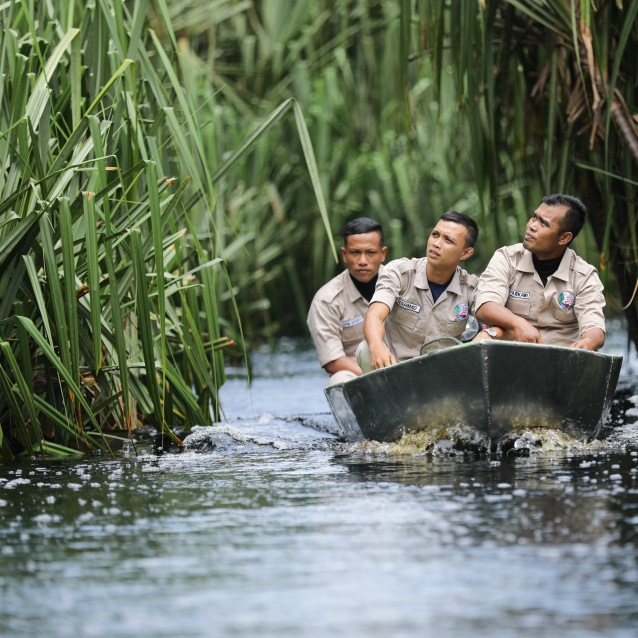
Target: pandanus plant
{"x": 110, "y": 278}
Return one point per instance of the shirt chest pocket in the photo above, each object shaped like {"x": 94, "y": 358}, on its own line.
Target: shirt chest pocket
{"x": 352, "y": 334}
{"x": 520, "y": 307}
{"x": 407, "y": 318}
{"x": 455, "y": 328}
{"x": 566, "y": 316}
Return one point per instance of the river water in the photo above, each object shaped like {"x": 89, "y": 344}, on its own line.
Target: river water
{"x": 269, "y": 526}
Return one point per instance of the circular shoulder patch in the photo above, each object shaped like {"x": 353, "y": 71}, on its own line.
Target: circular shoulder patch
{"x": 461, "y": 311}
{"x": 566, "y": 300}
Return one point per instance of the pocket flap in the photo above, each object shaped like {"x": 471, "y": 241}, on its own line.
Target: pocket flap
{"x": 519, "y": 307}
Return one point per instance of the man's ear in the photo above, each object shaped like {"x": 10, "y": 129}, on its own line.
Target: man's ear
{"x": 467, "y": 253}
{"x": 384, "y": 252}
{"x": 565, "y": 238}
{"x": 343, "y": 254}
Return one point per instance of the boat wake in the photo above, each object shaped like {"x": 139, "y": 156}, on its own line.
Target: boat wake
{"x": 268, "y": 433}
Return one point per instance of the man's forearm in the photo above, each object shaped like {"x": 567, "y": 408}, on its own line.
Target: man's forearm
{"x": 374, "y": 330}
{"x": 494, "y": 314}
{"x": 343, "y": 363}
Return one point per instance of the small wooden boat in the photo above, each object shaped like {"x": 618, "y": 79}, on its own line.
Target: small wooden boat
{"x": 493, "y": 386}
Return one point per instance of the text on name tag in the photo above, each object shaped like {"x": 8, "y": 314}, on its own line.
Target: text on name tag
{"x": 352, "y": 322}
{"x": 409, "y": 306}
{"x": 517, "y": 294}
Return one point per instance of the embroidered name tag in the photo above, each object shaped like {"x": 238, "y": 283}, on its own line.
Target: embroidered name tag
{"x": 517, "y": 294}
{"x": 352, "y": 322}
{"x": 409, "y": 306}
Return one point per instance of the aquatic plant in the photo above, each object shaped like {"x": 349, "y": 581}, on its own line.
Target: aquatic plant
{"x": 111, "y": 271}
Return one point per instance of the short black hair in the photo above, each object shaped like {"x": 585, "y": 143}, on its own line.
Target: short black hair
{"x": 576, "y": 215}
{"x": 362, "y": 225}
{"x": 471, "y": 229}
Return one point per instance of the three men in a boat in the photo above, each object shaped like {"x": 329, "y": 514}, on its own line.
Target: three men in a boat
{"x": 538, "y": 291}
{"x": 541, "y": 291}
{"x": 339, "y": 308}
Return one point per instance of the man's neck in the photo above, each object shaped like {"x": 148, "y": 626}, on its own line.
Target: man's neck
{"x": 438, "y": 276}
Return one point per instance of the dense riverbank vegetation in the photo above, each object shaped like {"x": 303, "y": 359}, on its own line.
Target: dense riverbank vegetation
{"x": 152, "y": 151}
{"x": 111, "y": 275}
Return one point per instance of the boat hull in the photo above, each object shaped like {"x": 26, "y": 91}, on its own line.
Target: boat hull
{"x": 493, "y": 386}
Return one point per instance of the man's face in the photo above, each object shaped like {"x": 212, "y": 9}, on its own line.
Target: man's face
{"x": 544, "y": 235}
{"x": 363, "y": 254}
{"x": 446, "y": 245}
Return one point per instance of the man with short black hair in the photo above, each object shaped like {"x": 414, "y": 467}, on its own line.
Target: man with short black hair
{"x": 540, "y": 291}
{"x": 339, "y": 308}
{"x": 420, "y": 300}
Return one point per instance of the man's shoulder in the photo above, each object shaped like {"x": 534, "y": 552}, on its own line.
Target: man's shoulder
{"x": 466, "y": 278}
{"x": 511, "y": 253}
{"x": 405, "y": 264}
{"x": 328, "y": 292}
{"x": 581, "y": 266}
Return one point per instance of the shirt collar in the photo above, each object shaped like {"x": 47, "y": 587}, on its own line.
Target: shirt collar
{"x": 421, "y": 279}
{"x": 526, "y": 264}
{"x": 563, "y": 268}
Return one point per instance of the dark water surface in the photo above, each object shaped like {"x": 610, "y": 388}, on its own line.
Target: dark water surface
{"x": 281, "y": 530}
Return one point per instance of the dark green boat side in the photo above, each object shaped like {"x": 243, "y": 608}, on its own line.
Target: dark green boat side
{"x": 493, "y": 386}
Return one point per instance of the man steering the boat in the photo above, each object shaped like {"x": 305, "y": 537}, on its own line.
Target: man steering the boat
{"x": 541, "y": 291}
{"x": 339, "y": 308}
{"x": 419, "y": 300}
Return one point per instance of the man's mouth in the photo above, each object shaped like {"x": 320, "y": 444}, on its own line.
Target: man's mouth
{"x": 433, "y": 253}
{"x": 529, "y": 236}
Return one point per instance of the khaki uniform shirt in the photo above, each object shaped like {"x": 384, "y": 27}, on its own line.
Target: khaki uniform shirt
{"x": 336, "y": 318}
{"x": 414, "y": 318}
{"x": 571, "y": 302}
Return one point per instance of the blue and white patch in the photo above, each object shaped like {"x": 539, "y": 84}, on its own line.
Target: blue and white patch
{"x": 517, "y": 294}
{"x": 352, "y": 322}
{"x": 412, "y": 307}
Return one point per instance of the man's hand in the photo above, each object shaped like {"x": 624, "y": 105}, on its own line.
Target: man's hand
{"x": 381, "y": 357}
{"x": 514, "y": 328}
{"x": 587, "y": 343}
{"x": 591, "y": 339}
{"x": 524, "y": 332}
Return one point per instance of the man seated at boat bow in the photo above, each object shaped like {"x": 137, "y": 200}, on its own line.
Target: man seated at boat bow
{"x": 541, "y": 291}
{"x": 339, "y": 308}
{"x": 419, "y": 300}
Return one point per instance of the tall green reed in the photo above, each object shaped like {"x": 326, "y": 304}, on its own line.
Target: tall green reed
{"x": 111, "y": 273}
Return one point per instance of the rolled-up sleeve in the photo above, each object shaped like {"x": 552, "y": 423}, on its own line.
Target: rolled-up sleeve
{"x": 589, "y": 304}
{"x": 325, "y": 328}
{"x": 388, "y": 288}
{"x": 493, "y": 284}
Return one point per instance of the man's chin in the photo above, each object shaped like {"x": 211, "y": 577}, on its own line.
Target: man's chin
{"x": 528, "y": 245}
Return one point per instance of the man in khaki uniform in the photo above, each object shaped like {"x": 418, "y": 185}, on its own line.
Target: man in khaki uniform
{"x": 421, "y": 299}
{"x": 339, "y": 308}
{"x": 541, "y": 291}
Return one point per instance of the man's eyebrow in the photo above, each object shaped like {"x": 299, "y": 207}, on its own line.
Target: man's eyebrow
{"x": 449, "y": 238}
{"x": 542, "y": 219}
